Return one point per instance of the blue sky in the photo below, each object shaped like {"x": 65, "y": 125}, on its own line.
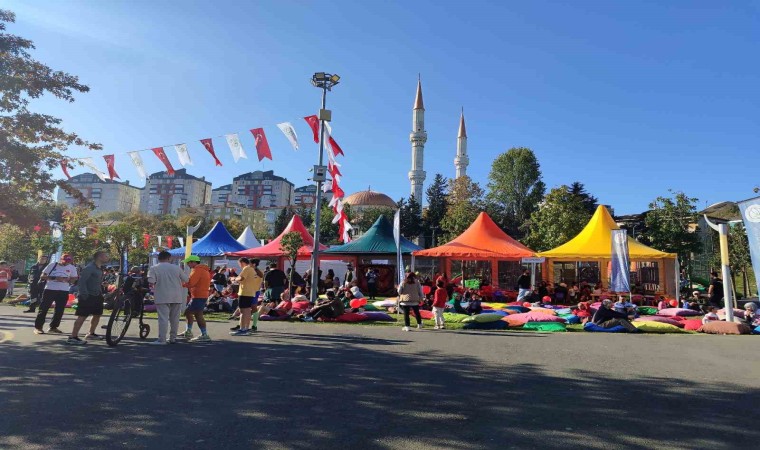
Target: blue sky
{"x": 630, "y": 98}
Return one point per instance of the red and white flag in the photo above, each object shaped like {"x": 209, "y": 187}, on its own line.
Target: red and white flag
{"x": 90, "y": 164}
{"x": 313, "y": 122}
{"x": 169, "y": 241}
{"x": 159, "y": 151}
{"x": 209, "y": 146}
{"x": 262, "y": 146}
{"x": 146, "y": 240}
{"x": 110, "y": 161}
{"x": 65, "y": 168}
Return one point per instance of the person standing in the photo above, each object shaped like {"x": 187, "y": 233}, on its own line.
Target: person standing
{"x": 90, "y": 299}
{"x": 440, "y": 298}
{"x": 715, "y": 291}
{"x": 274, "y": 282}
{"x": 14, "y": 277}
{"x": 200, "y": 279}
{"x": 409, "y": 296}
{"x": 250, "y": 279}
{"x": 349, "y": 278}
{"x": 371, "y": 277}
{"x": 35, "y": 285}
{"x": 58, "y": 277}
{"x": 523, "y": 285}
{"x": 170, "y": 294}
{"x": 5, "y": 279}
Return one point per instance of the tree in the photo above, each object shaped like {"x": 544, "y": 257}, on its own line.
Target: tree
{"x": 118, "y": 237}
{"x": 589, "y": 201}
{"x": 670, "y": 222}
{"x": 79, "y": 236}
{"x": 282, "y": 220}
{"x": 291, "y": 243}
{"x": 437, "y": 200}
{"x": 738, "y": 255}
{"x": 306, "y": 214}
{"x": 15, "y": 244}
{"x": 515, "y": 188}
{"x": 363, "y": 220}
{"x": 465, "y": 203}
{"x": 411, "y": 226}
{"x": 559, "y": 218}
{"x": 31, "y": 143}
{"x": 234, "y": 226}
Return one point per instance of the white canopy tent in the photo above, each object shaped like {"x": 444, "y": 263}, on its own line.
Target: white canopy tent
{"x": 248, "y": 239}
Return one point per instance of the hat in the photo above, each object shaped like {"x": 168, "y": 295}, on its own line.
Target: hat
{"x": 67, "y": 257}
{"x": 191, "y": 258}
{"x": 547, "y": 299}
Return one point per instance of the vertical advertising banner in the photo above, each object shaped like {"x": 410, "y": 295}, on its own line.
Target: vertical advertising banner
{"x": 750, "y": 210}
{"x": 621, "y": 264}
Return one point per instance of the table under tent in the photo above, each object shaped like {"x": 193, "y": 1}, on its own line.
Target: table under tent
{"x": 374, "y": 249}
{"x": 212, "y": 247}
{"x": 586, "y": 258}
{"x": 483, "y": 252}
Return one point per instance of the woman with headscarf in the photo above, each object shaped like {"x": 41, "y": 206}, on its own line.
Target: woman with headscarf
{"x": 409, "y": 297}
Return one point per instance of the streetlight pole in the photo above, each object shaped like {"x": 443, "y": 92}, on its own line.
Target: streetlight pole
{"x": 722, "y": 230}
{"x": 324, "y": 81}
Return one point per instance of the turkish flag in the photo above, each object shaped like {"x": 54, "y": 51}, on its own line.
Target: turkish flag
{"x": 336, "y": 149}
{"x": 262, "y": 146}
{"x": 333, "y": 169}
{"x": 169, "y": 241}
{"x": 337, "y": 191}
{"x": 210, "y": 148}
{"x": 110, "y": 160}
{"x": 146, "y": 240}
{"x": 159, "y": 151}
{"x": 65, "y": 168}
{"x": 313, "y": 122}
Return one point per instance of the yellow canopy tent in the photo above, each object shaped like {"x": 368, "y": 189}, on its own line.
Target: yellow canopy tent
{"x": 594, "y": 243}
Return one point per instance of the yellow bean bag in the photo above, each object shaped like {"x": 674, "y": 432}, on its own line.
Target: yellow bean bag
{"x": 658, "y": 327}
{"x": 495, "y": 305}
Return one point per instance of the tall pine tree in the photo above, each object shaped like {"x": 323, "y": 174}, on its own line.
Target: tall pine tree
{"x": 438, "y": 204}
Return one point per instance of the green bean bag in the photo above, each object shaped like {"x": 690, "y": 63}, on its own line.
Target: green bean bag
{"x": 483, "y": 318}
{"x": 454, "y": 317}
{"x": 647, "y": 310}
{"x": 545, "y": 326}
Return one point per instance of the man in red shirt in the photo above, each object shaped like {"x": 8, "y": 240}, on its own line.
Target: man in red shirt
{"x": 440, "y": 298}
{"x": 5, "y": 277}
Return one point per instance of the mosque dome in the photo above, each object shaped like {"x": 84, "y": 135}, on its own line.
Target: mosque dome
{"x": 370, "y": 198}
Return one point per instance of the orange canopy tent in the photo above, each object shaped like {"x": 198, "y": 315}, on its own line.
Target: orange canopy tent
{"x": 482, "y": 241}
{"x": 273, "y": 248}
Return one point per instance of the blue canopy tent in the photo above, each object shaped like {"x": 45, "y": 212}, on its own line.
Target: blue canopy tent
{"x": 216, "y": 242}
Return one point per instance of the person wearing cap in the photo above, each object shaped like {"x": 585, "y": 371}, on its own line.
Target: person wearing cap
{"x": 58, "y": 277}
{"x": 170, "y": 294}
{"x": 198, "y": 284}
{"x": 90, "y": 301}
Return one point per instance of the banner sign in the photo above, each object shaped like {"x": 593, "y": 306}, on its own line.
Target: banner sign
{"x": 750, "y": 210}
{"x": 621, "y": 263}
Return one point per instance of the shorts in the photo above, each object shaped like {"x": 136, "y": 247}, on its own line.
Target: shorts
{"x": 245, "y": 301}
{"x": 92, "y": 305}
{"x": 273, "y": 294}
{"x": 196, "y": 304}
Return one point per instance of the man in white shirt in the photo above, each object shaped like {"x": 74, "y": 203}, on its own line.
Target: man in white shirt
{"x": 169, "y": 293}
{"x": 59, "y": 277}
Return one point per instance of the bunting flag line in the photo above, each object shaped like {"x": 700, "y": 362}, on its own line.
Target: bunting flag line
{"x": 138, "y": 162}
{"x": 134, "y": 241}
{"x": 181, "y": 241}
{"x": 91, "y": 165}
{"x": 159, "y": 240}
{"x": 159, "y": 151}
{"x": 334, "y": 145}
{"x": 235, "y": 147}
{"x": 146, "y": 241}
{"x": 110, "y": 160}
{"x": 169, "y": 241}
{"x": 313, "y": 122}
{"x": 262, "y": 146}
{"x": 209, "y": 146}
{"x": 290, "y": 133}
{"x": 183, "y": 155}
{"x": 65, "y": 168}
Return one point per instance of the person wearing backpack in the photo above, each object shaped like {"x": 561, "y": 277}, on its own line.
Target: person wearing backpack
{"x": 409, "y": 297}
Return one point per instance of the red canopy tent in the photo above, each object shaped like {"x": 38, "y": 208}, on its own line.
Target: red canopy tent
{"x": 482, "y": 241}
{"x": 273, "y": 248}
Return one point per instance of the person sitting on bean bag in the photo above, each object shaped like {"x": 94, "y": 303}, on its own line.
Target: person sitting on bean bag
{"x": 625, "y": 307}
{"x": 475, "y": 306}
{"x": 606, "y": 317}
{"x": 583, "y": 311}
{"x": 330, "y": 308}
{"x": 711, "y": 314}
{"x": 458, "y": 304}
{"x": 751, "y": 315}
{"x": 284, "y": 308}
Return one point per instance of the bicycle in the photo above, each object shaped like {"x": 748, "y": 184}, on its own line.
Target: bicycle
{"x": 125, "y": 309}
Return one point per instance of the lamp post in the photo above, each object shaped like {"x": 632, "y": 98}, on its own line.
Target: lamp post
{"x": 324, "y": 81}
{"x": 722, "y": 230}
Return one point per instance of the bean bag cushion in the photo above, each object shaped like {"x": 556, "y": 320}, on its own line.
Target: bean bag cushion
{"x": 596, "y": 305}
{"x": 570, "y": 318}
{"x": 268, "y": 318}
{"x": 692, "y": 324}
{"x": 545, "y": 326}
{"x": 496, "y": 312}
{"x": 737, "y": 313}
{"x": 564, "y": 311}
{"x": 425, "y": 314}
{"x": 301, "y": 306}
{"x": 660, "y": 319}
{"x": 149, "y": 308}
{"x": 498, "y": 325}
{"x": 594, "y": 328}
{"x": 647, "y": 310}
{"x": 387, "y": 303}
{"x": 454, "y": 317}
{"x": 377, "y": 316}
{"x": 658, "y": 327}
{"x": 357, "y": 302}
{"x": 756, "y": 330}
{"x": 351, "y": 317}
{"x": 495, "y": 305}
{"x": 678, "y": 312}
{"x": 370, "y": 307}
{"x": 720, "y": 327}
{"x": 515, "y": 320}
{"x": 582, "y": 314}
{"x": 535, "y": 316}
{"x": 483, "y": 318}
{"x": 544, "y": 310}
{"x": 519, "y": 309}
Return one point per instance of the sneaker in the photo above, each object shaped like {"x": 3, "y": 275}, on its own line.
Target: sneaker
{"x": 201, "y": 338}
{"x": 172, "y": 341}
{"x": 187, "y": 334}
{"x": 39, "y": 331}
{"x": 54, "y": 331}
{"x": 254, "y": 329}
{"x": 157, "y": 342}
{"x": 308, "y": 319}
{"x": 30, "y": 310}
{"x": 75, "y": 341}
{"x": 435, "y": 327}
{"x": 419, "y": 327}
{"x": 93, "y": 337}
{"x": 240, "y": 333}
{"x": 405, "y": 328}
{"x": 235, "y": 328}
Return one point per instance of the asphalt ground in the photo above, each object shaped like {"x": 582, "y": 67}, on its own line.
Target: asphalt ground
{"x": 312, "y": 386}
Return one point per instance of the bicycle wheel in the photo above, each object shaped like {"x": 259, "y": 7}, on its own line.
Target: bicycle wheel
{"x": 118, "y": 323}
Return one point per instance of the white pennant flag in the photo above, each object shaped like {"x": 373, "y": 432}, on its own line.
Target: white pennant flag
{"x": 181, "y": 241}
{"x": 235, "y": 147}
{"x": 346, "y": 228}
{"x": 327, "y": 186}
{"x": 290, "y": 133}
{"x": 138, "y": 162}
{"x": 91, "y": 165}
{"x": 134, "y": 241}
{"x": 183, "y": 155}
{"x": 83, "y": 231}
{"x": 159, "y": 240}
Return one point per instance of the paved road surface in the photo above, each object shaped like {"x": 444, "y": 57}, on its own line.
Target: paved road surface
{"x": 306, "y": 386}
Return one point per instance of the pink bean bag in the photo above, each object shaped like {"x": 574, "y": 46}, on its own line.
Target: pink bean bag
{"x": 425, "y": 314}
{"x": 692, "y": 324}
{"x": 533, "y": 316}
{"x": 351, "y": 317}
{"x": 301, "y": 306}
{"x": 682, "y": 312}
{"x": 661, "y": 319}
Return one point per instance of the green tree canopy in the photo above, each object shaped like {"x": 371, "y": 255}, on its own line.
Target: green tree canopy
{"x": 589, "y": 201}
{"x": 291, "y": 243}
{"x": 465, "y": 203}
{"x": 670, "y": 225}
{"x": 411, "y": 225}
{"x": 559, "y": 218}
{"x": 437, "y": 205}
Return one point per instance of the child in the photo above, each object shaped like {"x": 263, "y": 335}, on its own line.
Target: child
{"x": 625, "y": 307}
{"x": 474, "y": 307}
{"x": 440, "y": 298}
{"x": 711, "y": 315}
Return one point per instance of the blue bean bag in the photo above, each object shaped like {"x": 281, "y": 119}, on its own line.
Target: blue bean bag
{"x": 495, "y": 311}
{"x": 756, "y": 330}
{"x": 571, "y": 318}
{"x": 564, "y": 311}
{"x": 520, "y": 309}
{"x": 498, "y": 325}
{"x": 591, "y": 326}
